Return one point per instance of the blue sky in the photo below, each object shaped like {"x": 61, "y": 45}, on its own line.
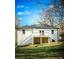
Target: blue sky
{"x": 28, "y": 11}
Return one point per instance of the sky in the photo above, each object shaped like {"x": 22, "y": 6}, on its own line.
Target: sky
{"x": 28, "y": 11}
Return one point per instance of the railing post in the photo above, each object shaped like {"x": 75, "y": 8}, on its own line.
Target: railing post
{"x": 48, "y": 40}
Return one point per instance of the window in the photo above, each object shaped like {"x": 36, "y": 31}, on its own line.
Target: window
{"x": 42, "y": 32}
{"x": 23, "y": 31}
{"x": 52, "y": 31}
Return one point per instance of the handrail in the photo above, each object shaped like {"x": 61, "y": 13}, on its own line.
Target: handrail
{"x": 32, "y": 35}
{"x": 26, "y": 39}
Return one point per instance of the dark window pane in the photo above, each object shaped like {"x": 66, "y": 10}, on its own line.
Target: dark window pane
{"x": 52, "y": 31}
{"x": 23, "y": 31}
{"x": 42, "y": 32}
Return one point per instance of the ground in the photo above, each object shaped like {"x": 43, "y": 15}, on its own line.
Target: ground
{"x": 54, "y": 50}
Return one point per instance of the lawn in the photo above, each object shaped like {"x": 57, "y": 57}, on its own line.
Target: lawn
{"x": 54, "y": 50}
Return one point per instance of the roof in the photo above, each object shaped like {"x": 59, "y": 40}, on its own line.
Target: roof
{"x": 42, "y": 26}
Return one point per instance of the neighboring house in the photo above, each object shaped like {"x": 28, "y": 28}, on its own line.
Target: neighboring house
{"x": 36, "y": 34}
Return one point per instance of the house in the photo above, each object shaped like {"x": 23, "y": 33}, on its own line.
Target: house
{"x": 36, "y": 34}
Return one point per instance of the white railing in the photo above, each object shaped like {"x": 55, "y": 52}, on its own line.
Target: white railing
{"x": 26, "y": 39}
{"x": 46, "y": 34}
{"x": 35, "y": 35}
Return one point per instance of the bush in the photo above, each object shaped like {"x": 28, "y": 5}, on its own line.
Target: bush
{"x": 62, "y": 37}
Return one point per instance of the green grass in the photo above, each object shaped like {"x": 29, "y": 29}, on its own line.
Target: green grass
{"x": 53, "y": 50}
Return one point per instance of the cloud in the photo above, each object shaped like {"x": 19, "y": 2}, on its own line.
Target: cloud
{"x": 51, "y": 6}
{"x": 20, "y": 18}
{"x": 26, "y": 12}
{"x": 27, "y": 7}
{"x": 20, "y": 6}
{"x": 20, "y": 13}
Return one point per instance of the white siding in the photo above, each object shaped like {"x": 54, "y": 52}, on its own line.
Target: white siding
{"x": 36, "y": 32}
{"x": 21, "y": 37}
{"x": 54, "y": 35}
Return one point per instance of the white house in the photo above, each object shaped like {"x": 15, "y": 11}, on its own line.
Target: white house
{"x": 36, "y": 34}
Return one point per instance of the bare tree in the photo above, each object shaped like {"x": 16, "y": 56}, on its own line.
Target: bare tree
{"x": 17, "y": 22}
{"x": 47, "y": 16}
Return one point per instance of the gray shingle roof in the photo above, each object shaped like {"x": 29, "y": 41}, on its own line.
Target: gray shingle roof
{"x": 42, "y": 26}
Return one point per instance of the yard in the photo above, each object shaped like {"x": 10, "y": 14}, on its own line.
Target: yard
{"x": 54, "y": 50}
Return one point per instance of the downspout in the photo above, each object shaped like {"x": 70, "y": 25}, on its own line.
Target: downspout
{"x": 16, "y": 37}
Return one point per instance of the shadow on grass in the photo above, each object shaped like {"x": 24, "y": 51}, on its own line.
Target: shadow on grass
{"x": 46, "y": 51}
